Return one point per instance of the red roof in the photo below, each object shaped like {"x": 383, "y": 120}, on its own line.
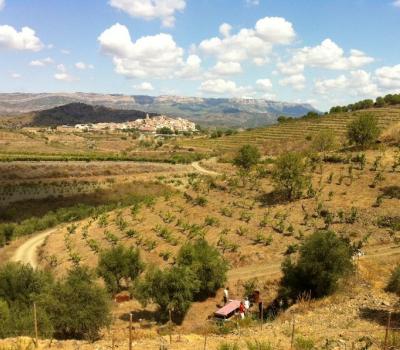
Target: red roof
{"x": 230, "y": 307}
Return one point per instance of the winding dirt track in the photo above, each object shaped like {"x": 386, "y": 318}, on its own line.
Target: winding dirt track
{"x": 274, "y": 270}
{"x": 200, "y": 169}
{"x": 27, "y": 252}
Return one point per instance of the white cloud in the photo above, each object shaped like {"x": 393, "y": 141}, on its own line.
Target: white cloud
{"x": 2, "y": 4}
{"x": 145, "y": 86}
{"x": 16, "y": 76}
{"x": 41, "y": 63}
{"x": 227, "y": 68}
{"x": 276, "y": 30}
{"x": 297, "y": 81}
{"x": 330, "y": 56}
{"x": 225, "y": 29}
{"x": 151, "y": 9}
{"x": 63, "y": 74}
{"x": 65, "y": 52}
{"x": 83, "y": 66}
{"x": 224, "y": 87}
{"x": 264, "y": 84}
{"x": 396, "y": 3}
{"x": 255, "y": 44}
{"x": 388, "y": 77}
{"x": 253, "y": 2}
{"x": 155, "y": 56}
{"x": 358, "y": 83}
{"x": 26, "y": 39}
{"x": 290, "y": 68}
{"x": 191, "y": 69}
{"x": 326, "y": 86}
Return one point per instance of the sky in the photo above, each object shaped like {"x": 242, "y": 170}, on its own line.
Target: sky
{"x": 323, "y": 52}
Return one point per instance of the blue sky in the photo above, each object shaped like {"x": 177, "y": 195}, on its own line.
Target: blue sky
{"x": 320, "y": 51}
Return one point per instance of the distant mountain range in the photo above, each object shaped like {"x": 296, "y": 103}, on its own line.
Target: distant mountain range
{"x": 205, "y": 111}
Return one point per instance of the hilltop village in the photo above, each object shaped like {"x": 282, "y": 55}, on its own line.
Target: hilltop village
{"x": 148, "y": 125}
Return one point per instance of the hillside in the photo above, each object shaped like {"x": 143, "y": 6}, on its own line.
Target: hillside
{"x": 293, "y": 134}
{"x": 207, "y": 111}
{"x": 80, "y": 113}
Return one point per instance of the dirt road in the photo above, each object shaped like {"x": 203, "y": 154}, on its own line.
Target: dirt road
{"x": 27, "y": 252}
{"x": 274, "y": 270}
{"x": 200, "y": 169}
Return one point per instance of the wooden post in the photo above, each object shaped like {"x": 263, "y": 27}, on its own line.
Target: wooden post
{"x": 205, "y": 341}
{"x": 170, "y": 326}
{"x": 130, "y": 331}
{"x": 387, "y": 330}
{"x": 292, "y": 338}
{"x": 262, "y": 315}
{"x": 35, "y": 324}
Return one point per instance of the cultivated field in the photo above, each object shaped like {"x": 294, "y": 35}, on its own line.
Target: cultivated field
{"x": 158, "y": 207}
{"x": 292, "y": 135}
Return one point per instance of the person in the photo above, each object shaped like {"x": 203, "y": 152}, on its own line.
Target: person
{"x": 241, "y": 310}
{"x": 246, "y": 304}
{"x": 226, "y": 295}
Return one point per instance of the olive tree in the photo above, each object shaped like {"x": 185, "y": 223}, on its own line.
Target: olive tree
{"x": 363, "y": 131}
{"x": 323, "y": 260}
{"x": 247, "y": 157}
{"x": 289, "y": 175}
{"x": 119, "y": 266}
{"x": 172, "y": 289}
{"x": 207, "y": 264}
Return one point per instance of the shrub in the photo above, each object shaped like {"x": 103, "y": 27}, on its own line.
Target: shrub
{"x": 258, "y": 345}
{"x": 247, "y": 157}
{"x": 363, "y": 131}
{"x": 117, "y": 265}
{"x": 228, "y": 346}
{"x": 301, "y": 343}
{"x": 392, "y": 222}
{"x": 394, "y": 282}
{"x": 208, "y": 265}
{"x": 324, "y": 259}
{"x": 289, "y": 175}
{"x": 324, "y": 141}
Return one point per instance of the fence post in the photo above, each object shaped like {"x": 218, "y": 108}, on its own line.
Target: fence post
{"x": 205, "y": 340}
{"x": 130, "y": 331}
{"x": 262, "y": 315}
{"x": 293, "y": 330}
{"x": 170, "y": 326}
{"x": 387, "y": 330}
{"x": 35, "y": 325}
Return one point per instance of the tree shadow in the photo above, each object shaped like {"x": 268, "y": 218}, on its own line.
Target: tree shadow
{"x": 272, "y": 198}
{"x": 380, "y": 316}
{"x": 142, "y": 315}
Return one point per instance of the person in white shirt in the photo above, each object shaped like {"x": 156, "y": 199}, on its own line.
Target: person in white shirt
{"x": 247, "y": 305}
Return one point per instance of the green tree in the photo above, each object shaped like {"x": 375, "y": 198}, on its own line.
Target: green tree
{"x": 289, "y": 175}
{"x": 363, "y": 131}
{"x": 394, "y": 281}
{"x": 324, "y": 259}
{"x": 79, "y": 308}
{"x": 247, "y": 157}
{"x": 324, "y": 141}
{"x": 208, "y": 265}
{"x": 171, "y": 289}
{"x": 380, "y": 102}
{"x": 20, "y": 287}
{"x": 165, "y": 131}
{"x": 118, "y": 265}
